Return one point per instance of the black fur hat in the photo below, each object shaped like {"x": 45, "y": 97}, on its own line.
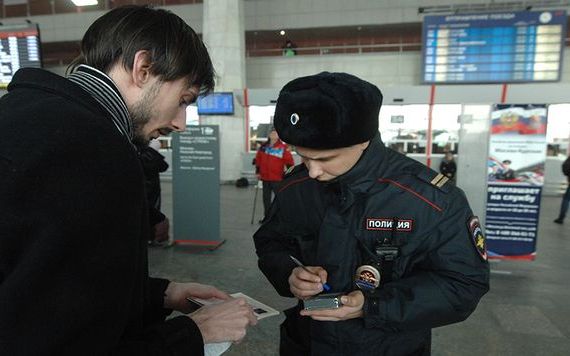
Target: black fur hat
{"x": 327, "y": 110}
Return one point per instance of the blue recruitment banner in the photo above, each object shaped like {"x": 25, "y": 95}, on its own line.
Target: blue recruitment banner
{"x": 196, "y": 185}
{"x": 508, "y": 47}
{"x": 517, "y": 153}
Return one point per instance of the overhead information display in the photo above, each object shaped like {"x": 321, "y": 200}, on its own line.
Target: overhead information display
{"x": 216, "y": 104}
{"x": 493, "y": 48}
{"x": 19, "y": 47}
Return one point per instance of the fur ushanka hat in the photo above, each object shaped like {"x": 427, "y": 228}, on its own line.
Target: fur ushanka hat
{"x": 327, "y": 110}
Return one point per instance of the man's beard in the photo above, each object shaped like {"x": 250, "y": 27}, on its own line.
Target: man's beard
{"x": 141, "y": 113}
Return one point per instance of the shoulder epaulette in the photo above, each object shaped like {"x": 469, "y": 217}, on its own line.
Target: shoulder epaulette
{"x": 435, "y": 179}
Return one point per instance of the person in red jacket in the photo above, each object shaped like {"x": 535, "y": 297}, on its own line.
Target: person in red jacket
{"x": 271, "y": 160}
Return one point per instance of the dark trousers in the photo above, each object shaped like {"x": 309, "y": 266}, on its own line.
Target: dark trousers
{"x": 268, "y": 189}
{"x": 565, "y": 202}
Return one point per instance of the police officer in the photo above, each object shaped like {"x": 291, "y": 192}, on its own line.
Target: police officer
{"x": 396, "y": 239}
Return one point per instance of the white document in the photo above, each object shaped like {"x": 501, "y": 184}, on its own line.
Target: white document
{"x": 260, "y": 311}
{"x": 216, "y": 348}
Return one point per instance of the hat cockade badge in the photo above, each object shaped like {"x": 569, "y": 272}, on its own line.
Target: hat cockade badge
{"x": 294, "y": 118}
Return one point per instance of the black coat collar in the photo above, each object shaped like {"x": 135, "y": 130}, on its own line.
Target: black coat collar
{"x": 355, "y": 183}
{"x": 51, "y": 82}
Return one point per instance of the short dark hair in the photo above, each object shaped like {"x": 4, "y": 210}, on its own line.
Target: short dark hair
{"x": 176, "y": 50}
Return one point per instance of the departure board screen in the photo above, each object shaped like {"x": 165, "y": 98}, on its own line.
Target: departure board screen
{"x": 493, "y": 48}
{"x": 19, "y": 47}
{"x": 216, "y": 104}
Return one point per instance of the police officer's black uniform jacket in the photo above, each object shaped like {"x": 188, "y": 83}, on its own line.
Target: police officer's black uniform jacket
{"x": 437, "y": 279}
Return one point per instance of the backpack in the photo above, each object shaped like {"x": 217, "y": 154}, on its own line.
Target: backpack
{"x": 242, "y": 183}
{"x": 566, "y": 167}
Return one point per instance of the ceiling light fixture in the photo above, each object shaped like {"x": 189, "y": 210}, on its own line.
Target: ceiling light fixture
{"x": 84, "y": 2}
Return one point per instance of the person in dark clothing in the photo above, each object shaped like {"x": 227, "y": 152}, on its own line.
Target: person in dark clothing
{"x": 566, "y": 196}
{"x": 271, "y": 161}
{"x": 448, "y": 166}
{"x": 153, "y": 163}
{"x": 397, "y": 240}
{"x": 74, "y": 228}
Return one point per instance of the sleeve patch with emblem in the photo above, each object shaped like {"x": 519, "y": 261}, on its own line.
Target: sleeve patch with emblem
{"x": 477, "y": 236}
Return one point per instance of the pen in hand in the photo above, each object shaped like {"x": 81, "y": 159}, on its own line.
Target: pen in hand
{"x": 326, "y": 287}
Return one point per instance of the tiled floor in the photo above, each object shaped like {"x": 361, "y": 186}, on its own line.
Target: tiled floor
{"x": 527, "y": 311}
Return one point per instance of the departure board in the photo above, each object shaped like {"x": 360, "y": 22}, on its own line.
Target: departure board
{"x": 493, "y": 48}
{"x": 216, "y": 104}
{"x": 19, "y": 47}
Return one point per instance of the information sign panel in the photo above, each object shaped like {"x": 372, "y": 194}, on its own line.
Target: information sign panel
{"x": 196, "y": 185}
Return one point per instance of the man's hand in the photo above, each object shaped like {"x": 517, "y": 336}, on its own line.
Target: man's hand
{"x": 176, "y": 294}
{"x": 304, "y": 284}
{"x": 225, "y": 321}
{"x": 351, "y": 308}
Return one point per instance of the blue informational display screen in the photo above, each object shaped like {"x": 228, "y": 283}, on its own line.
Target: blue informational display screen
{"x": 216, "y": 104}
{"x": 493, "y": 48}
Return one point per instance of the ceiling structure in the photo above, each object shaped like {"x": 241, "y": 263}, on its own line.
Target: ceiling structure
{"x": 309, "y": 41}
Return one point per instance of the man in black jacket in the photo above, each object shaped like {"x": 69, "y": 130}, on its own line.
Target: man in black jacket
{"x": 566, "y": 196}
{"x": 74, "y": 225}
{"x": 153, "y": 163}
{"x": 397, "y": 240}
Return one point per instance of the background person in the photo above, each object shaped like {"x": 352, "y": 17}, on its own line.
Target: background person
{"x": 73, "y": 235}
{"x": 566, "y": 196}
{"x": 153, "y": 163}
{"x": 447, "y": 167}
{"x": 271, "y": 161}
{"x": 353, "y": 208}
{"x": 289, "y": 49}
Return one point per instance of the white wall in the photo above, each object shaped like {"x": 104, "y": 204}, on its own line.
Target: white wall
{"x": 263, "y": 14}
{"x": 287, "y": 14}
{"x": 389, "y": 68}
{"x": 383, "y": 69}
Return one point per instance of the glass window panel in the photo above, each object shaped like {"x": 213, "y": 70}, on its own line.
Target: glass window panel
{"x": 260, "y": 118}
{"x": 192, "y": 118}
{"x": 409, "y": 135}
{"x": 445, "y": 127}
{"x": 558, "y": 129}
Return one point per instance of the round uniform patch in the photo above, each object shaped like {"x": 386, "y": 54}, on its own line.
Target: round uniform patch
{"x": 294, "y": 118}
{"x": 367, "y": 278}
{"x": 477, "y": 236}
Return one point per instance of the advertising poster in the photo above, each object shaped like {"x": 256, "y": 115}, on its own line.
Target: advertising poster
{"x": 515, "y": 176}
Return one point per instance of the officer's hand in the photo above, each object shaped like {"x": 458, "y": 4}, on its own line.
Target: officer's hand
{"x": 351, "y": 308}
{"x": 304, "y": 284}
{"x": 176, "y": 293}
{"x": 225, "y": 321}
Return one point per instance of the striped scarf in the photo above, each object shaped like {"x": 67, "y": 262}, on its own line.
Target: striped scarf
{"x": 103, "y": 89}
